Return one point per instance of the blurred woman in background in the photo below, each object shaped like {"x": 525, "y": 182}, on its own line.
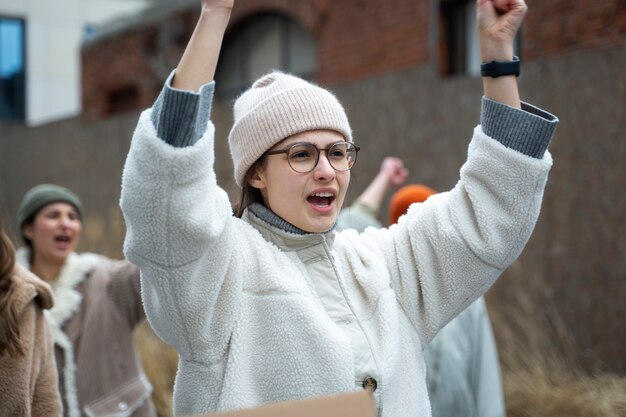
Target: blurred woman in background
{"x": 28, "y": 374}
{"x": 98, "y": 306}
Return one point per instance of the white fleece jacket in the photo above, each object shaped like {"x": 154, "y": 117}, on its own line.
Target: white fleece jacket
{"x": 236, "y": 297}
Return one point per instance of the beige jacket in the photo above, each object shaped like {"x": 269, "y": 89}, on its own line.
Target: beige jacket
{"x": 28, "y": 383}
{"x": 98, "y": 305}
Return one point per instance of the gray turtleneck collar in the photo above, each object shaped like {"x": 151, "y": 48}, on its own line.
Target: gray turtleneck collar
{"x": 271, "y": 218}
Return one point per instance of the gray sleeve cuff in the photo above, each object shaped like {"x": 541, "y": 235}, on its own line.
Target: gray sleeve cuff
{"x": 180, "y": 117}
{"x": 528, "y": 131}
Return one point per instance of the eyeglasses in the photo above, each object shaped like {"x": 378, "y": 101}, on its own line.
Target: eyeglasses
{"x": 303, "y": 156}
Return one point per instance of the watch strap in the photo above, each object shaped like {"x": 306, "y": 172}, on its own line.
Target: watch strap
{"x": 495, "y": 69}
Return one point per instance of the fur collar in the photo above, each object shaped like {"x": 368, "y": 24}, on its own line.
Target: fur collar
{"x": 66, "y": 298}
{"x": 67, "y": 302}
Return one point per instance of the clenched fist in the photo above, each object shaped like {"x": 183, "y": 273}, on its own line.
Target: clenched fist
{"x": 498, "y": 23}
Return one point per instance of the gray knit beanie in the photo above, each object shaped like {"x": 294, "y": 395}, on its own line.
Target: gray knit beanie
{"x": 42, "y": 195}
{"x": 277, "y": 106}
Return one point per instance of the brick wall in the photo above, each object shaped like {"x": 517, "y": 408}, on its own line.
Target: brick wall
{"x": 119, "y": 65}
{"x": 132, "y": 64}
{"x": 364, "y": 38}
{"x": 560, "y": 26}
{"x": 355, "y": 39}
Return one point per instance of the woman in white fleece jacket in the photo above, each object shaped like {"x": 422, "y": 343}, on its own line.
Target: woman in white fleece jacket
{"x": 275, "y": 305}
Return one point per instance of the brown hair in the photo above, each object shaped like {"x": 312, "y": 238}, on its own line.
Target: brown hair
{"x": 28, "y": 221}
{"x": 250, "y": 194}
{"x": 9, "y": 326}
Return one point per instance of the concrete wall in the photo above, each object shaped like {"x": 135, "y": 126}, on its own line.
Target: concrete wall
{"x": 86, "y": 158}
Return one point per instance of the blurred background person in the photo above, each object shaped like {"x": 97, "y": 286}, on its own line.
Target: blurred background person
{"x": 364, "y": 211}
{"x": 98, "y": 305}
{"x": 28, "y": 374}
{"x": 463, "y": 370}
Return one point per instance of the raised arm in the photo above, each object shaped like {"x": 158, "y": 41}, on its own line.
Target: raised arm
{"x": 498, "y": 23}
{"x": 362, "y": 213}
{"x": 457, "y": 243}
{"x": 179, "y": 221}
{"x": 181, "y": 112}
{"x": 198, "y": 63}
{"x": 392, "y": 172}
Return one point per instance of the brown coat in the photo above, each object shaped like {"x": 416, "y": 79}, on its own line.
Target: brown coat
{"x": 99, "y": 305}
{"x": 28, "y": 382}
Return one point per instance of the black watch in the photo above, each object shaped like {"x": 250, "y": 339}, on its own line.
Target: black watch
{"x": 495, "y": 69}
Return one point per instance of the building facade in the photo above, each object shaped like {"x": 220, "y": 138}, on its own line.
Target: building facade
{"x": 40, "y": 54}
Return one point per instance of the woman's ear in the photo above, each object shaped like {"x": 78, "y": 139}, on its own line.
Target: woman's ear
{"x": 257, "y": 179}
{"x": 27, "y": 231}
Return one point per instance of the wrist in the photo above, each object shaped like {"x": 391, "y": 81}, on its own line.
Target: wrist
{"x": 497, "y": 69}
{"x": 502, "y": 90}
{"x": 495, "y": 52}
{"x": 383, "y": 179}
{"x": 217, "y": 11}
{"x": 372, "y": 211}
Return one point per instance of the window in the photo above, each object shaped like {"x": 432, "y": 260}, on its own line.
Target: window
{"x": 264, "y": 43}
{"x": 123, "y": 100}
{"x": 12, "y": 69}
{"x": 459, "y": 51}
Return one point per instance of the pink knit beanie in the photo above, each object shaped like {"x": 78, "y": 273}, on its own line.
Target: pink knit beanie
{"x": 277, "y": 106}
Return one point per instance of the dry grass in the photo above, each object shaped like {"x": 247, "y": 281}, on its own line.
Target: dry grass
{"x": 537, "y": 394}
{"x": 160, "y": 362}
{"x": 540, "y": 374}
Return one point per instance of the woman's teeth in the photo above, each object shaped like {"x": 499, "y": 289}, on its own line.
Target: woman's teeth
{"x": 323, "y": 199}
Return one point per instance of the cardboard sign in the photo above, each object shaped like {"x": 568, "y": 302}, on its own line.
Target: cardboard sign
{"x": 353, "y": 404}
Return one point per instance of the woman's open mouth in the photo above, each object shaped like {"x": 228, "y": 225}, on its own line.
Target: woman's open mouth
{"x": 62, "y": 241}
{"x": 322, "y": 199}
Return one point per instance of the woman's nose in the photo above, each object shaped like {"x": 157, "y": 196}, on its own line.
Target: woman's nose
{"x": 323, "y": 169}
